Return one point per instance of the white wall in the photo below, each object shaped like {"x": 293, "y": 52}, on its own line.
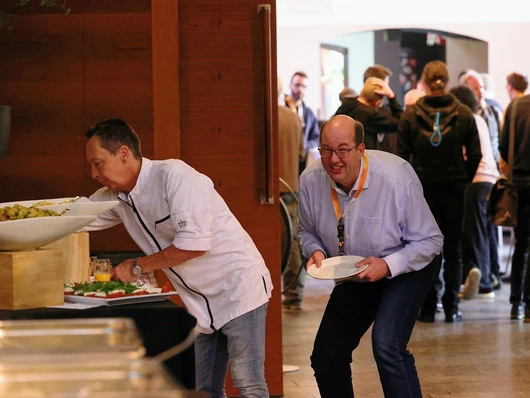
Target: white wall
{"x": 462, "y": 54}
{"x": 303, "y": 25}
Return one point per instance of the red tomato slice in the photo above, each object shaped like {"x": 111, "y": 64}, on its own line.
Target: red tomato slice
{"x": 166, "y": 288}
{"x": 68, "y": 293}
{"x": 141, "y": 293}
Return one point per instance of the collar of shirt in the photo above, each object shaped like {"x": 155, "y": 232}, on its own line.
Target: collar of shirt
{"x": 141, "y": 183}
{"x": 356, "y": 184}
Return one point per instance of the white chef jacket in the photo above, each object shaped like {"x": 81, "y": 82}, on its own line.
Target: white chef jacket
{"x": 172, "y": 203}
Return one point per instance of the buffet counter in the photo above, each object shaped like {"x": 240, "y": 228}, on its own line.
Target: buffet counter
{"x": 162, "y": 325}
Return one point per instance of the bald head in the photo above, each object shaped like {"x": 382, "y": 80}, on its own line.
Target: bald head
{"x": 346, "y": 124}
{"x": 341, "y": 150}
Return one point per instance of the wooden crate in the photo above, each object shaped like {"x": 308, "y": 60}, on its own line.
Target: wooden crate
{"x": 31, "y": 279}
{"x": 76, "y": 253}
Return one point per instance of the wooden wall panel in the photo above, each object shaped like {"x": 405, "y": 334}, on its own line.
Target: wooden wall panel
{"x": 78, "y": 7}
{"x": 61, "y": 74}
{"x": 117, "y": 83}
{"x": 118, "y": 71}
{"x": 223, "y": 128}
{"x": 41, "y": 79}
{"x": 166, "y": 88}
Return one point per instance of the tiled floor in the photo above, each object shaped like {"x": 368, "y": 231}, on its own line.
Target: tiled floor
{"x": 485, "y": 356}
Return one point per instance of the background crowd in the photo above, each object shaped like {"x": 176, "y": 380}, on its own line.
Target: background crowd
{"x": 456, "y": 138}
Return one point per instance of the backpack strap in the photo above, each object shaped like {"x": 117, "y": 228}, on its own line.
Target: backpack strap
{"x": 436, "y": 137}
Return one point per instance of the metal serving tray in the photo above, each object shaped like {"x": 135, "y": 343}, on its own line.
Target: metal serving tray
{"x": 37, "y": 340}
{"x": 109, "y": 378}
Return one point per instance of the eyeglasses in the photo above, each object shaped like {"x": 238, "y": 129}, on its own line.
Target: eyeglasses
{"x": 342, "y": 153}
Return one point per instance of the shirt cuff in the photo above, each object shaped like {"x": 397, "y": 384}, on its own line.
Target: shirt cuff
{"x": 396, "y": 264}
{"x": 193, "y": 244}
{"x": 313, "y": 248}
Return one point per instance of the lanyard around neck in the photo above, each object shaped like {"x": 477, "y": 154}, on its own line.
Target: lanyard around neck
{"x": 291, "y": 104}
{"x": 336, "y": 204}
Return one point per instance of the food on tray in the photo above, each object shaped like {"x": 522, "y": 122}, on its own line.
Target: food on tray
{"x": 19, "y": 212}
{"x": 112, "y": 289}
{"x": 46, "y": 203}
{"x": 51, "y": 203}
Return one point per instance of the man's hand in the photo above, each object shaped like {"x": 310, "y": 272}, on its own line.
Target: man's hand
{"x": 377, "y": 269}
{"x": 385, "y": 88}
{"x": 316, "y": 258}
{"x": 123, "y": 272}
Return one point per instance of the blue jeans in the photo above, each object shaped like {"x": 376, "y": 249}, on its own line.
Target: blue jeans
{"x": 476, "y": 237}
{"x": 392, "y": 305}
{"x": 241, "y": 342}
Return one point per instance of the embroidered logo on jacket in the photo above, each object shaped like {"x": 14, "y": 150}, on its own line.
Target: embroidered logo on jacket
{"x": 183, "y": 223}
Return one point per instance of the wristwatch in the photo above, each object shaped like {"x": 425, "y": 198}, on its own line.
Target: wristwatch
{"x": 137, "y": 270}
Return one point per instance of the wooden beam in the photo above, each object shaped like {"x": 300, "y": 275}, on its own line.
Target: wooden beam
{"x": 166, "y": 99}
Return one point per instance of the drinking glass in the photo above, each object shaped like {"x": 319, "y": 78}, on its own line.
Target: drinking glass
{"x": 102, "y": 270}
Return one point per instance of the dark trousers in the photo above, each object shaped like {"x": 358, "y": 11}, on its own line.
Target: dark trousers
{"x": 476, "y": 246}
{"x": 494, "y": 254}
{"x": 520, "y": 277}
{"x": 446, "y": 201}
{"x": 392, "y": 305}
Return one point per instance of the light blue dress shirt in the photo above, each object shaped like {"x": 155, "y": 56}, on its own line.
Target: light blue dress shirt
{"x": 389, "y": 219}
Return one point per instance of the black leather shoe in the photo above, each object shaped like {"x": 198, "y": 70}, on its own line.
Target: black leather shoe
{"x": 454, "y": 317}
{"x": 517, "y": 310}
{"x": 426, "y": 317}
{"x": 496, "y": 282}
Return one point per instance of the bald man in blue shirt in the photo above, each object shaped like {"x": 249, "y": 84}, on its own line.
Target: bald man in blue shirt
{"x": 378, "y": 199}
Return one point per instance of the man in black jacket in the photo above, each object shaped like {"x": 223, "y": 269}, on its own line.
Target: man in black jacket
{"x": 366, "y": 110}
{"x": 520, "y": 276}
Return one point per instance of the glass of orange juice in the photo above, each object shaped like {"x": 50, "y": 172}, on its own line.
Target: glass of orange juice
{"x": 102, "y": 270}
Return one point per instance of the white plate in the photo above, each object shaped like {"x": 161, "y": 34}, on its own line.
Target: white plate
{"x": 31, "y": 233}
{"x": 337, "y": 267}
{"x": 145, "y": 298}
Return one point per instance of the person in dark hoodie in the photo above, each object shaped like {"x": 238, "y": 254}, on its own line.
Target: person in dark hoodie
{"x": 432, "y": 135}
{"x": 366, "y": 110}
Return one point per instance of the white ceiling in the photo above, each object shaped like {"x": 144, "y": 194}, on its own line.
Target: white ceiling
{"x": 384, "y": 12}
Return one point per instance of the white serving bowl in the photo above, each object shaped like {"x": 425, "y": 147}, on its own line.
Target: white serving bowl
{"x": 55, "y": 201}
{"x": 83, "y": 208}
{"x": 31, "y": 233}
